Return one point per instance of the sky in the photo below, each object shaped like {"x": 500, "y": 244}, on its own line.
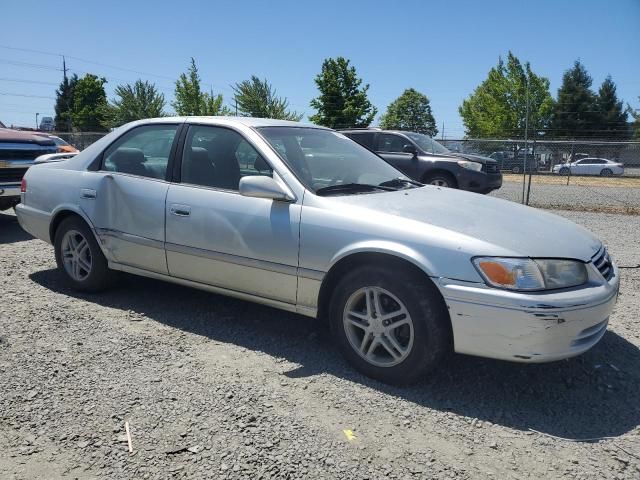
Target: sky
{"x": 443, "y": 49}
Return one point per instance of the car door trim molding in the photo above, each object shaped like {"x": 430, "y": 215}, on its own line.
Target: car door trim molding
{"x": 128, "y": 237}
{"x": 307, "y": 311}
{"x": 311, "y": 274}
{"x": 235, "y": 259}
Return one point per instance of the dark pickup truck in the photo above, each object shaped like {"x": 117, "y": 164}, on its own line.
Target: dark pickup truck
{"x": 18, "y": 151}
{"x": 423, "y": 159}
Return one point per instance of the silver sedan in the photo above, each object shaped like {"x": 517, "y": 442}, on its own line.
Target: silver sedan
{"x": 301, "y": 218}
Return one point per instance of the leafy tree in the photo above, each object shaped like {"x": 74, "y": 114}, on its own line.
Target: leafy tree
{"x": 191, "y": 100}
{"x": 611, "y": 115}
{"x": 90, "y": 108}
{"x": 498, "y": 106}
{"x": 635, "y": 126}
{"x": 410, "y": 111}
{"x": 135, "y": 102}
{"x": 575, "y": 112}
{"x": 257, "y": 98}
{"x": 342, "y": 101}
{"x": 64, "y": 103}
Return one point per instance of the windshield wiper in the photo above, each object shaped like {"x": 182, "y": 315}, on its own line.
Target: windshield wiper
{"x": 400, "y": 181}
{"x": 352, "y": 187}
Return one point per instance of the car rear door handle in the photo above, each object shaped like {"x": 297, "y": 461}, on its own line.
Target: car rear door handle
{"x": 88, "y": 193}
{"x": 180, "y": 210}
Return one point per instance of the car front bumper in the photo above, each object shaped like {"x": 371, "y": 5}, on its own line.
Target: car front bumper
{"x": 526, "y": 327}
{"x": 478, "y": 181}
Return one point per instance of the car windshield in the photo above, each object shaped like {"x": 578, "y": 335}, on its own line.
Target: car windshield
{"x": 427, "y": 143}
{"x": 327, "y": 161}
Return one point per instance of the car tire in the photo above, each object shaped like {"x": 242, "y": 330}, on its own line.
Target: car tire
{"x": 79, "y": 257}
{"x": 564, "y": 171}
{"x": 367, "y": 343}
{"x": 440, "y": 180}
{"x": 517, "y": 169}
{"x": 606, "y": 172}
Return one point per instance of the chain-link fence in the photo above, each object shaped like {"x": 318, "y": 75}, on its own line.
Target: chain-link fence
{"x": 80, "y": 140}
{"x": 541, "y": 156}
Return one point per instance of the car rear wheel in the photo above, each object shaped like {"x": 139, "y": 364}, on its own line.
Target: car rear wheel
{"x": 79, "y": 257}
{"x": 440, "y": 180}
{"x": 516, "y": 169}
{"x": 606, "y": 172}
{"x": 393, "y": 327}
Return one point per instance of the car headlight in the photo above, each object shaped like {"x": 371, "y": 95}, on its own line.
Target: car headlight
{"x": 528, "y": 274}
{"x": 470, "y": 165}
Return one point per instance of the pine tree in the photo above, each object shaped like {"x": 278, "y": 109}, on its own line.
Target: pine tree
{"x": 64, "y": 103}
{"x": 90, "y": 108}
{"x": 191, "y": 100}
{"x": 342, "y": 101}
{"x": 257, "y": 98}
{"x": 576, "y": 110}
{"x": 611, "y": 115}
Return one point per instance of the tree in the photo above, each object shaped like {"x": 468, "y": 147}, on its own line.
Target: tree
{"x": 498, "y": 106}
{"x": 575, "y": 112}
{"x": 410, "y": 111}
{"x": 90, "y": 108}
{"x": 612, "y": 118}
{"x": 342, "y": 101}
{"x": 635, "y": 126}
{"x": 257, "y": 98}
{"x": 135, "y": 102}
{"x": 191, "y": 100}
{"x": 64, "y": 103}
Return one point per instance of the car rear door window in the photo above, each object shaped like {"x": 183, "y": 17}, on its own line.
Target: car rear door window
{"x": 391, "y": 143}
{"x": 365, "y": 139}
{"x": 219, "y": 157}
{"x": 143, "y": 151}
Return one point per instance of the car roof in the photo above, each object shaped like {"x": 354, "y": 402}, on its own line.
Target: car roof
{"x": 246, "y": 121}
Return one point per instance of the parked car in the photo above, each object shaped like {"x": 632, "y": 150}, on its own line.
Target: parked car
{"x": 515, "y": 163}
{"x": 590, "y": 166}
{"x": 317, "y": 224}
{"x": 18, "y": 151}
{"x": 46, "y": 124}
{"x": 423, "y": 159}
{"x": 63, "y": 146}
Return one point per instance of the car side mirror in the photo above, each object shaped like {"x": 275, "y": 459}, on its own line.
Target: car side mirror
{"x": 409, "y": 148}
{"x": 260, "y": 186}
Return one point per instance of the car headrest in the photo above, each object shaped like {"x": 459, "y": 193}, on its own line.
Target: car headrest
{"x": 199, "y": 155}
{"x": 127, "y": 156}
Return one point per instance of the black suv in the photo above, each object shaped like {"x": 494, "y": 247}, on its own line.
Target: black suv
{"x": 422, "y": 158}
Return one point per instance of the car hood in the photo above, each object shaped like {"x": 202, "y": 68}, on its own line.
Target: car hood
{"x": 518, "y": 229}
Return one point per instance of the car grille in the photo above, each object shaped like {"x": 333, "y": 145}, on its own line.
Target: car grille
{"x": 602, "y": 262}
{"x": 490, "y": 168}
{"x": 25, "y": 154}
{"x": 12, "y": 174}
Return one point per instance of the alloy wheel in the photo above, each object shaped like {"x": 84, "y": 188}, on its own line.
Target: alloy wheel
{"x": 378, "y": 326}
{"x": 76, "y": 255}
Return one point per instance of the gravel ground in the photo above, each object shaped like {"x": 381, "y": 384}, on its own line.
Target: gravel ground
{"x": 572, "y": 196}
{"x": 218, "y": 388}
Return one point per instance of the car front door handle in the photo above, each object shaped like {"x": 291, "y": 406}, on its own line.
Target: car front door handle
{"x": 88, "y": 193}
{"x": 180, "y": 210}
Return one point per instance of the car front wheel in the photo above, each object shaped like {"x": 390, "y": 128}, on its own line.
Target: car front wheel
{"x": 391, "y": 327}
{"x": 79, "y": 257}
{"x": 564, "y": 171}
{"x": 440, "y": 180}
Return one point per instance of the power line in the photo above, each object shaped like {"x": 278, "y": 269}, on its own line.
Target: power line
{"x": 25, "y": 95}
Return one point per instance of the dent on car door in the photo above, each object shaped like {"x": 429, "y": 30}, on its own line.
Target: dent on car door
{"x": 219, "y": 237}
{"x": 127, "y": 202}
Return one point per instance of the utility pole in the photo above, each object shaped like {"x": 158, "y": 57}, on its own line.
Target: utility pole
{"x": 64, "y": 68}
{"x": 37, "y": 120}
{"x": 236, "y": 102}
{"x": 526, "y": 132}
